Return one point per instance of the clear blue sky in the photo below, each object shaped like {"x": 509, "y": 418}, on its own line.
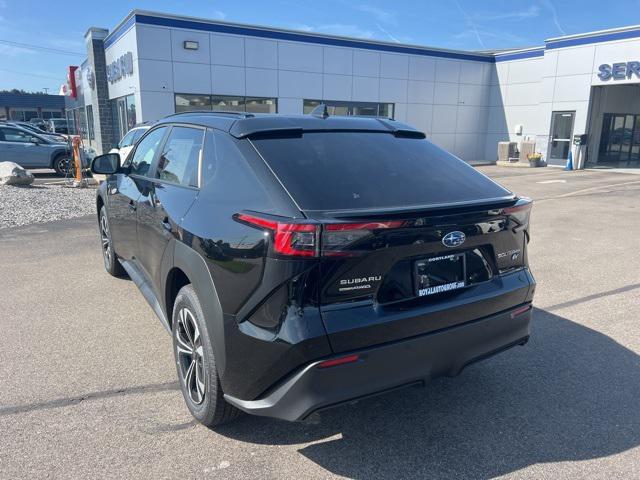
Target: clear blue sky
{"x": 459, "y": 24}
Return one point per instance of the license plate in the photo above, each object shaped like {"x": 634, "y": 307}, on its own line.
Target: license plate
{"x": 439, "y": 274}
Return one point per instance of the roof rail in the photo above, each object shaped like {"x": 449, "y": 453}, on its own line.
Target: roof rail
{"x": 215, "y": 112}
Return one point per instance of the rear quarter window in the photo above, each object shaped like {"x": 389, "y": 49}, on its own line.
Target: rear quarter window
{"x": 369, "y": 170}
{"x": 232, "y": 183}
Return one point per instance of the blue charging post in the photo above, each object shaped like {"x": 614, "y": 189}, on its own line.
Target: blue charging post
{"x": 569, "y": 165}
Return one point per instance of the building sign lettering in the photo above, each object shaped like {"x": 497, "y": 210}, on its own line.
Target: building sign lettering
{"x": 619, "y": 71}
{"x": 120, "y": 67}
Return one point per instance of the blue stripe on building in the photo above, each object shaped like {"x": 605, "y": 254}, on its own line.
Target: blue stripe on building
{"x": 288, "y": 36}
{"x": 520, "y": 55}
{"x": 31, "y": 100}
{"x": 595, "y": 38}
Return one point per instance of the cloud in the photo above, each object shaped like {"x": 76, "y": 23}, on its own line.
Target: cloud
{"x": 392, "y": 37}
{"x": 501, "y": 35}
{"x": 347, "y": 30}
{"x": 341, "y": 29}
{"x": 216, "y": 14}
{"x": 548, "y": 4}
{"x": 381, "y": 15}
{"x": 531, "y": 12}
{"x": 470, "y": 23}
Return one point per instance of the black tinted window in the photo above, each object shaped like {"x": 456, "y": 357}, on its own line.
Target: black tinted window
{"x": 228, "y": 179}
{"x": 180, "y": 156}
{"x": 146, "y": 151}
{"x": 357, "y": 170}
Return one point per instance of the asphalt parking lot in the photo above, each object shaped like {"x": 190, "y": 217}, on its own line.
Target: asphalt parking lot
{"x": 89, "y": 386}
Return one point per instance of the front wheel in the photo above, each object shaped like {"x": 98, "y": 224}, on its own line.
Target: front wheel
{"x": 63, "y": 165}
{"x": 197, "y": 373}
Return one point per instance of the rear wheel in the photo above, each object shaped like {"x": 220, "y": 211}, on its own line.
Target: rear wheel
{"x": 195, "y": 362}
{"x": 111, "y": 262}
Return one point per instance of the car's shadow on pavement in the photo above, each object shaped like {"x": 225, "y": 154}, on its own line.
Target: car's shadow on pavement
{"x": 571, "y": 394}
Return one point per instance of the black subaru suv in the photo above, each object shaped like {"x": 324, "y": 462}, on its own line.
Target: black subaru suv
{"x": 303, "y": 261}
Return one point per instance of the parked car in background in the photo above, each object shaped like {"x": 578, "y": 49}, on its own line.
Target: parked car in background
{"x": 30, "y": 150}
{"x": 125, "y": 145}
{"x": 39, "y": 122}
{"x": 35, "y": 129}
{"x": 58, "y": 125}
{"x": 300, "y": 262}
{"x": 129, "y": 140}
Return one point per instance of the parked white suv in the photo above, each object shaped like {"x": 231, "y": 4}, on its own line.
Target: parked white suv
{"x": 125, "y": 145}
{"x": 129, "y": 140}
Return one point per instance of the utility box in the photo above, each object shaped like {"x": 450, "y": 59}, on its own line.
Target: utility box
{"x": 507, "y": 152}
{"x": 526, "y": 148}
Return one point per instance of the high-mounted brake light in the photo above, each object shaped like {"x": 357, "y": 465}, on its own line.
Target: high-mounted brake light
{"x": 297, "y": 239}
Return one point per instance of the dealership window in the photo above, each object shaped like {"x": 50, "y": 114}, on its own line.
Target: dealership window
{"x": 81, "y": 122}
{"x": 367, "y": 109}
{"x": 230, "y": 103}
{"x": 187, "y": 103}
{"x": 47, "y": 114}
{"x": 123, "y": 111}
{"x": 261, "y": 105}
{"x": 90, "y": 122}
{"x": 23, "y": 115}
{"x": 71, "y": 121}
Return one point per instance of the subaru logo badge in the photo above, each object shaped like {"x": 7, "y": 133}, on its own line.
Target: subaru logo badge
{"x": 453, "y": 239}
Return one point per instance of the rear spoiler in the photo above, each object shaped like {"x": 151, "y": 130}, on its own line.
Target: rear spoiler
{"x": 435, "y": 209}
{"x": 248, "y": 129}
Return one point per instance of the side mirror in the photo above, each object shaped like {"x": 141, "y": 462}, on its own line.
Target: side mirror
{"x": 106, "y": 164}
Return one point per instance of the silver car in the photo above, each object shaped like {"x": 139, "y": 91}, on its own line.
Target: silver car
{"x": 30, "y": 150}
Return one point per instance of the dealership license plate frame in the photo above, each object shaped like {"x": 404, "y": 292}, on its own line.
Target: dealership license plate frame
{"x": 434, "y": 287}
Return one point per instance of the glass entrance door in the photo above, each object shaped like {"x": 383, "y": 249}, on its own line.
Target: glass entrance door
{"x": 620, "y": 140}
{"x": 561, "y": 133}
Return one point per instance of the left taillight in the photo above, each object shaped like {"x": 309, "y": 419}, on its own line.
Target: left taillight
{"x": 292, "y": 239}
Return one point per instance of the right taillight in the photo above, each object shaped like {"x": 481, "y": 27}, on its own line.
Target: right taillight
{"x": 520, "y": 213}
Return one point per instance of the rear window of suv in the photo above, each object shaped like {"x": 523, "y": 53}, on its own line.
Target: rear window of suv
{"x": 366, "y": 170}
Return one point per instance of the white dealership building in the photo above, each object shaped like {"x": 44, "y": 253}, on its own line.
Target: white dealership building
{"x": 151, "y": 65}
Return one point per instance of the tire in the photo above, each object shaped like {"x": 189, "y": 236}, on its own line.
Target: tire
{"x": 63, "y": 165}
{"x": 109, "y": 257}
{"x": 195, "y": 363}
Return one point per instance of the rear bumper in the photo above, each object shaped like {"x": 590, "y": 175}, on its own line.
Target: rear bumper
{"x": 389, "y": 366}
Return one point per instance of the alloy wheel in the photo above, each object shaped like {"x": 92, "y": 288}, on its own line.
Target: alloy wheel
{"x": 64, "y": 164}
{"x": 106, "y": 241}
{"x": 190, "y": 355}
